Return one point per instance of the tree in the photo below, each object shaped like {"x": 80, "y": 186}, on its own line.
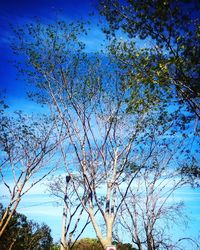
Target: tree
{"x": 90, "y": 244}
{"x": 172, "y": 28}
{"x": 73, "y": 211}
{"x": 149, "y": 211}
{"x": 24, "y": 234}
{"x": 107, "y": 146}
{"x": 27, "y": 145}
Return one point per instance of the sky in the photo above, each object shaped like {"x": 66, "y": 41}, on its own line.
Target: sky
{"x": 37, "y": 205}
{"x": 22, "y": 12}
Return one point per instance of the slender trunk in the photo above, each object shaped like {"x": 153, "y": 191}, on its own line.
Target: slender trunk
{"x": 5, "y": 221}
{"x": 149, "y": 244}
{"x": 109, "y": 231}
{"x": 96, "y": 228}
{"x": 63, "y": 243}
{"x": 139, "y": 245}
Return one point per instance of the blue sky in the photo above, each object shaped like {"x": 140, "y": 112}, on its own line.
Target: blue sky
{"x": 20, "y": 12}
{"x": 37, "y": 205}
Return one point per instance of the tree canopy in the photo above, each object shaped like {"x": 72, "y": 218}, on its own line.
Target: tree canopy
{"x": 113, "y": 121}
{"x": 171, "y": 30}
{"x": 24, "y": 234}
{"x": 114, "y": 116}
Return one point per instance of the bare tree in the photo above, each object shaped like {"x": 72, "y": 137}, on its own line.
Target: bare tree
{"x": 27, "y": 145}
{"x": 74, "y": 220}
{"x": 149, "y": 210}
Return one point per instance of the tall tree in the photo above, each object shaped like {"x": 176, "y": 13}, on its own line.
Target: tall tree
{"x": 171, "y": 28}
{"x": 86, "y": 97}
{"x": 27, "y": 145}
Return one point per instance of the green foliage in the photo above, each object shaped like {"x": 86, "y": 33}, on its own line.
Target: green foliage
{"x": 55, "y": 246}
{"x": 191, "y": 172}
{"x": 24, "y": 234}
{"x": 172, "y": 29}
{"x": 88, "y": 243}
{"x": 124, "y": 246}
{"x": 3, "y": 105}
{"x": 143, "y": 74}
{"x": 93, "y": 244}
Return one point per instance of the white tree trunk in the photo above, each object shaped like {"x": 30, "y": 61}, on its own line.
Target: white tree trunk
{"x": 63, "y": 245}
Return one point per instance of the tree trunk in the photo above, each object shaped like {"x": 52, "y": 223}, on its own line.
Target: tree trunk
{"x": 63, "y": 244}
{"x": 139, "y": 245}
{"x": 109, "y": 232}
{"x": 4, "y": 222}
{"x": 149, "y": 244}
{"x": 109, "y": 227}
{"x": 103, "y": 241}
